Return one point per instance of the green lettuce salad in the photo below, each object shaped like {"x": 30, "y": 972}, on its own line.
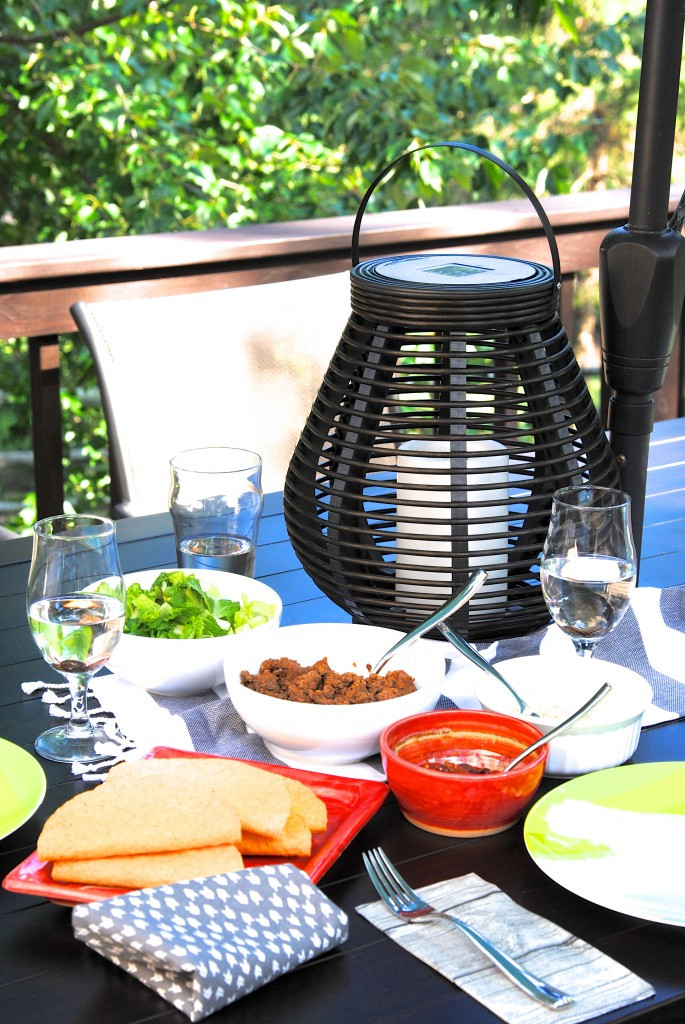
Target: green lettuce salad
{"x": 176, "y": 607}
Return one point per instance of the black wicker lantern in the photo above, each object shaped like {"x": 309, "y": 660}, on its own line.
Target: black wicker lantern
{"x": 451, "y": 411}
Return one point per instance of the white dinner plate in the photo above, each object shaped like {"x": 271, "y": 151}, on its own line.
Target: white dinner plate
{"x": 617, "y": 838}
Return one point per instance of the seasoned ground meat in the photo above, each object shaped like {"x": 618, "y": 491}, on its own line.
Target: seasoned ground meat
{"x": 319, "y": 684}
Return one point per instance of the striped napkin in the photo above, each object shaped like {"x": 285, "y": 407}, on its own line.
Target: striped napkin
{"x": 597, "y": 983}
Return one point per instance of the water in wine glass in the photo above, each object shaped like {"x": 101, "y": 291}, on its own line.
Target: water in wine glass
{"x": 587, "y": 595}
{"x": 75, "y": 608}
{"x": 588, "y": 567}
{"x": 78, "y": 633}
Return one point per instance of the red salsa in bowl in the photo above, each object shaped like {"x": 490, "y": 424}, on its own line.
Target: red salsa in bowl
{"x": 445, "y": 768}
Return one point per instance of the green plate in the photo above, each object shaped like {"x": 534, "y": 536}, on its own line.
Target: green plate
{"x": 22, "y": 787}
{"x": 617, "y": 838}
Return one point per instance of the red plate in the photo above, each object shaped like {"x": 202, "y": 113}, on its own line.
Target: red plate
{"x": 350, "y": 802}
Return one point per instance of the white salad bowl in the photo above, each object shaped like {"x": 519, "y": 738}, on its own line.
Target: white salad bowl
{"x": 181, "y": 668}
{"x": 554, "y": 687}
{"x": 301, "y": 734}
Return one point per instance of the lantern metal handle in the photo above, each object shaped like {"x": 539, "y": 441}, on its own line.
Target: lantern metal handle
{"x": 525, "y": 188}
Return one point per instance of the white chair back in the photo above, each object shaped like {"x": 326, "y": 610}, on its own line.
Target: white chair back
{"x": 238, "y": 367}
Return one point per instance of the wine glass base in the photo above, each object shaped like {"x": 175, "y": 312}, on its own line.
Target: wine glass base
{"x": 59, "y": 744}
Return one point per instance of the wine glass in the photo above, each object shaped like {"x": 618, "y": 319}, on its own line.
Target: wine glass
{"x": 588, "y": 565}
{"x": 75, "y": 606}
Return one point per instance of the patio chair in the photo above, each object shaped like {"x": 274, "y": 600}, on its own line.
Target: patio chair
{"x": 237, "y": 367}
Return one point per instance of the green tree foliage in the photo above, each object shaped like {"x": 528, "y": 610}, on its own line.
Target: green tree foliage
{"x": 127, "y": 116}
{"x": 137, "y": 116}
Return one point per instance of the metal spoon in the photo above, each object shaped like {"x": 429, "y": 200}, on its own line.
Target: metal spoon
{"x": 562, "y": 727}
{"x": 473, "y": 655}
{"x": 466, "y": 593}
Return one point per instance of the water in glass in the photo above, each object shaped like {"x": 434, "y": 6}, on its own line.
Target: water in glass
{"x": 75, "y": 607}
{"x": 588, "y": 567}
{"x": 230, "y": 554}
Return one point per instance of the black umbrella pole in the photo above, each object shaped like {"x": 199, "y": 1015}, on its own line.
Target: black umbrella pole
{"x": 627, "y": 413}
{"x": 657, "y": 110}
{"x": 642, "y": 265}
{"x": 642, "y": 286}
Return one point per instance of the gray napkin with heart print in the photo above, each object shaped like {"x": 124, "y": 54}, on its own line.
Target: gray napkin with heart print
{"x": 596, "y": 982}
{"x": 203, "y": 944}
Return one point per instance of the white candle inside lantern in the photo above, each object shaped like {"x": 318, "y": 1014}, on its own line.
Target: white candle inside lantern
{"x": 433, "y": 548}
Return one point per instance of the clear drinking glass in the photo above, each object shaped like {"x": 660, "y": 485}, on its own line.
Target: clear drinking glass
{"x": 588, "y": 565}
{"x": 216, "y": 502}
{"x": 75, "y": 606}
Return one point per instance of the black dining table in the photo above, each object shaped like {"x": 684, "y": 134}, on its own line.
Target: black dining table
{"x": 49, "y": 977}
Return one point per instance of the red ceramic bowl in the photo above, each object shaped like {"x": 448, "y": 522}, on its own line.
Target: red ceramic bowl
{"x": 453, "y": 801}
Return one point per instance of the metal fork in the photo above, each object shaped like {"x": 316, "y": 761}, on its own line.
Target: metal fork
{"x": 406, "y": 904}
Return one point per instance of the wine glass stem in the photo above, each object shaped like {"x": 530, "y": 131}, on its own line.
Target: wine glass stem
{"x": 79, "y": 723}
{"x": 584, "y": 648}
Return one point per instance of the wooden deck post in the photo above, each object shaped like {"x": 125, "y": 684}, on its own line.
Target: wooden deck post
{"x": 46, "y": 424}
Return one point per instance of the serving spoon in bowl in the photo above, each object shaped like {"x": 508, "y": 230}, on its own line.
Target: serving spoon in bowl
{"x": 562, "y": 726}
{"x": 473, "y": 584}
{"x": 449, "y": 764}
{"x": 474, "y": 656}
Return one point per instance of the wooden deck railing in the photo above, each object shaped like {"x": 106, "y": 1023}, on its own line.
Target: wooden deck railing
{"x": 38, "y": 283}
